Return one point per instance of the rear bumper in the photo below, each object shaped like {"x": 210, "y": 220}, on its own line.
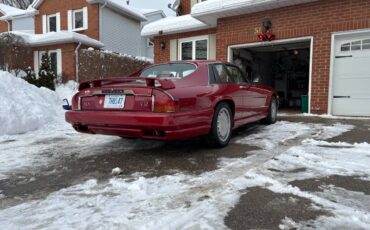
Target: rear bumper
{"x": 145, "y": 125}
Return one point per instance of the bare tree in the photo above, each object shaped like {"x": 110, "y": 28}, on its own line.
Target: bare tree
{"x": 16, "y": 55}
{"x": 22, "y": 4}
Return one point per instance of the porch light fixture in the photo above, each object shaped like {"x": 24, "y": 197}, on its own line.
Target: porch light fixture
{"x": 163, "y": 45}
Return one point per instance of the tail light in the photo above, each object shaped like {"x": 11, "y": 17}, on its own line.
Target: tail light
{"x": 76, "y": 102}
{"x": 164, "y": 103}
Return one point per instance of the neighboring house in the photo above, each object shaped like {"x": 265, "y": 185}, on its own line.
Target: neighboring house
{"x": 12, "y": 18}
{"x": 320, "y": 48}
{"x": 61, "y": 28}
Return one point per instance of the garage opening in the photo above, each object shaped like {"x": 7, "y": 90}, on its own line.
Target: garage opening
{"x": 283, "y": 66}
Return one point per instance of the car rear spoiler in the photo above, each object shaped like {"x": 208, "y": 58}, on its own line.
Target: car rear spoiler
{"x": 150, "y": 82}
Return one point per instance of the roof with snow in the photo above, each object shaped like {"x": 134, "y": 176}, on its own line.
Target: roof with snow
{"x": 54, "y": 38}
{"x": 9, "y": 10}
{"x": 117, "y": 5}
{"x": 171, "y": 25}
{"x": 209, "y": 11}
{"x": 148, "y": 12}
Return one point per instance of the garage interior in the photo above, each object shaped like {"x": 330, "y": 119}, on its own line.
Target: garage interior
{"x": 285, "y": 67}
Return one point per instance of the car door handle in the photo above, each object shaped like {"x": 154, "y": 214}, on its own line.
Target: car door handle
{"x": 243, "y": 87}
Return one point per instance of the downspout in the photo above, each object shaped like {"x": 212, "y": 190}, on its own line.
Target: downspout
{"x": 76, "y": 59}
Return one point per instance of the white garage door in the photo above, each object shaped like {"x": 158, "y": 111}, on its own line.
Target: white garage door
{"x": 351, "y": 76}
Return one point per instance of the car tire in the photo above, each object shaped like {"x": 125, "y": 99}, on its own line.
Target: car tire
{"x": 220, "y": 133}
{"x": 272, "y": 115}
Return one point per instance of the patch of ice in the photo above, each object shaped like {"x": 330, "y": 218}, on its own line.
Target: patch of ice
{"x": 272, "y": 135}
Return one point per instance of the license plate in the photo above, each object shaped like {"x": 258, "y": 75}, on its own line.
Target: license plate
{"x": 114, "y": 101}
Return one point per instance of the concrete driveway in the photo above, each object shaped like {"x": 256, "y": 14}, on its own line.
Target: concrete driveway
{"x": 303, "y": 172}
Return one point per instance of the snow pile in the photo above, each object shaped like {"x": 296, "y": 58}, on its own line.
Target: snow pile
{"x": 25, "y": 107}
{"x": 67, "y": 91}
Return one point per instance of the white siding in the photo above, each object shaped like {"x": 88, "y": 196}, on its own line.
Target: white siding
{"x": 120, "y": 34}
{"x": 145, "y": 50}
{"x": 23, "y": 24}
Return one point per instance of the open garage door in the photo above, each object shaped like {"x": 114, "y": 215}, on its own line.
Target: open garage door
{"x": 351, "y": 75}
{"x": 283, "y": 65}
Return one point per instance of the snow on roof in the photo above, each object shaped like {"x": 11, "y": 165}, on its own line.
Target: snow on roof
{"x": 151, "y": 11}
{"x": 118, "y": 5}
{"x": 121, "y": 7}
{"x": 9, "y": 10}
{"x": 171, "y": 25}
{"x": 54, "y": 38}
{"x": 209, "y": 11}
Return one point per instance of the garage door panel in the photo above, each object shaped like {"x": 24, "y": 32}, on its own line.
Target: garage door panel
{"x": 352, "y": 86}
{"x": 351, "y": 106}
{"x": 358, "y": 66}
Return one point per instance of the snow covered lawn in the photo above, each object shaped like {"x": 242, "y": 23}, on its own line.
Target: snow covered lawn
{"x": 284, "y": 155}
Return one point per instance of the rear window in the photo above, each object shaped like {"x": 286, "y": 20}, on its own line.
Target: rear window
{"x": 171, "y": 70}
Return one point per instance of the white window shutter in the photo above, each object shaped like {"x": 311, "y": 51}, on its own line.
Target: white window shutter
{"x": 212, "y": 47}
{"x": 70, "y": 20}
{"x": 86, "y": 18}
{"x": 59, "y": 62}
{"x": 173, "y": 50}
{"x": 36, "y": 62}
{"x": 58, "y": 22}
{"x": 44, "y": 24}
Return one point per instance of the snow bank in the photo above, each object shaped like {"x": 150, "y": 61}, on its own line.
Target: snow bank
{"x": 25, "y": 107}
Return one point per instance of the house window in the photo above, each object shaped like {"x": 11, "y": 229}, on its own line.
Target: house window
{"x": 78, "y": 19}
{"x": 366, "y": 44}
{"x": 52, "y": 23}
{"x": 55, "y": 60}
{"x": 193, "y": 49}
{"x": 357, "y": 45}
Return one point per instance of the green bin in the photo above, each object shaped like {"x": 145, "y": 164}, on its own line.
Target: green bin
{"x": 304, "y": 104}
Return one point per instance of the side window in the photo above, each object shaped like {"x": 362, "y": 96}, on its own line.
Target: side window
{"x": 222, "y": 75}
{"x": 236, "y": 74}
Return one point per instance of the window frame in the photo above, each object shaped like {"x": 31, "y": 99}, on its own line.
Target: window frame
{"x": 193, "y": 40}
{"x": 350, "y": 44}
{"x": 74, "y": 20}
{"x": 58, "y": 56}
{"x": 48, "y": 22}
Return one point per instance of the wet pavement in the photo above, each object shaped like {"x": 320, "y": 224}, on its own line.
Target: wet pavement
{"x": 258, "y": 208}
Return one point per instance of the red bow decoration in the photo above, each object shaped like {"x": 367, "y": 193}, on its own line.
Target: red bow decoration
{"x": 266, "y": 36}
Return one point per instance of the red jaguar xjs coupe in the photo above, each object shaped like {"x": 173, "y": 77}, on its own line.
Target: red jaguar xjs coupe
{"x": 172, "y": 101}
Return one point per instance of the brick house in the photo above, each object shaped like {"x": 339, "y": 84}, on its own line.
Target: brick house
{"x": 62, "y": 28}
{"x": 318, "y": 48}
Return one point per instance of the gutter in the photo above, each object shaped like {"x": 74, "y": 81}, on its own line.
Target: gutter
{"x": 76, "y": 59}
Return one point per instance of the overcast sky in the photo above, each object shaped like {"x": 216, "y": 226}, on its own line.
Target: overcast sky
{"x": 154, "y": 4}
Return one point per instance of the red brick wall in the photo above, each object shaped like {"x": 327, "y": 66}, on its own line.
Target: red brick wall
{"x": 54, "y": 6}
{"x": 4, "y": 25}
{"x": 185, "y": 7}
{"x": 318, "y": 19}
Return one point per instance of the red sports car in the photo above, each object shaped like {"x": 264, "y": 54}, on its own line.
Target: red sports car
{"x": 172, "y": 101}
